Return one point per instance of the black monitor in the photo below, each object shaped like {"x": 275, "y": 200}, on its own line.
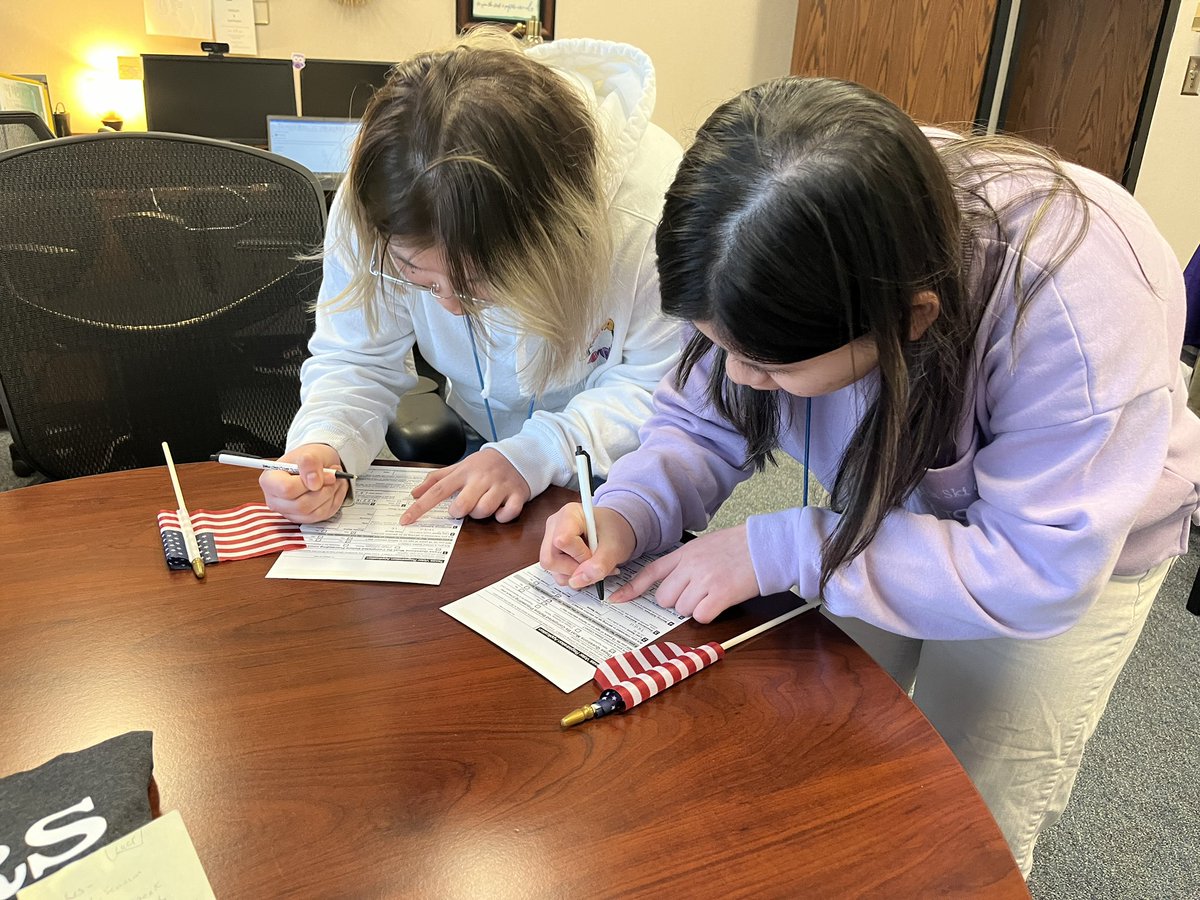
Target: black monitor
{"x": 338, "y": 87}
{"x": 226, "y": 97}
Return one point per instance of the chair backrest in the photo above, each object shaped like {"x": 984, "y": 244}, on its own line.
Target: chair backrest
{"x": 150, "y": 290}
{"x": 20, "y": 127}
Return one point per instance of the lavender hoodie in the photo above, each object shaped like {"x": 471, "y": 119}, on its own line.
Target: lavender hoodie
{"x": 1078, "y": 459}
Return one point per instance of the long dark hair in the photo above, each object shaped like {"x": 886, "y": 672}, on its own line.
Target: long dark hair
{"x": 810, "y": 212}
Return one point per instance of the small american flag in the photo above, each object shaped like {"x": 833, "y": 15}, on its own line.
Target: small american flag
{"x": 638, "y": 675}
{"x": 228, "y": 534}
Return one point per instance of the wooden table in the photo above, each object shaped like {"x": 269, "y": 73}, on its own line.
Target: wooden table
{"x": 336, "y": 739}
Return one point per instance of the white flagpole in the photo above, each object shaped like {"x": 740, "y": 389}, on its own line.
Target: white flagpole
{"x": 185, "y": 518}
{"x": 611, "y": 702}
{"x": 767, "y": 626}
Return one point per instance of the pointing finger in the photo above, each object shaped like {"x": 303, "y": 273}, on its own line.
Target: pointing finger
{"x": 431, "y": 479}
{"x": 645, "y": 579}
{"x": 432, "y": 496}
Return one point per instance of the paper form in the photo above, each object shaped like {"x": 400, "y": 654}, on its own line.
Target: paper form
{"x": 181, "y": 18}
{"x": 561, "y": 633}
{"x": 233, "y": 24}
{"x": 158, "y": 860}
{"x": 366, "y": 542}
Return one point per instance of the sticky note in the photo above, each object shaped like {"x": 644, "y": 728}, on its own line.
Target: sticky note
{"x": 158, "y": 860}
{"x": 129, "y": 68}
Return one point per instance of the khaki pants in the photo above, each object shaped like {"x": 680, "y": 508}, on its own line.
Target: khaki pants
{"x": 1017, "y": 713}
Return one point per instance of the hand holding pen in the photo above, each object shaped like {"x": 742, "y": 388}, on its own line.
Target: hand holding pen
{"x": 583, "y": 472}
{"x": 567, "y": 555}
{"x": 245, "y": 460}
{"x": 314, "y": 493}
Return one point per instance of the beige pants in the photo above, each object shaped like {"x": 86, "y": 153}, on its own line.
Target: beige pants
{"x": 1017, "y": 713}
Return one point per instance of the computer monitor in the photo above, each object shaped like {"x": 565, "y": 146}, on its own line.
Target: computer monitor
{"x": 336, "y": 87}
{"x": 320, "y": 145}
{"x": 228, "y": 97}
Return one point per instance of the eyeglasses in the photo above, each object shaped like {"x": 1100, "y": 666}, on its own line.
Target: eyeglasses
{"x": 435, "y": 289}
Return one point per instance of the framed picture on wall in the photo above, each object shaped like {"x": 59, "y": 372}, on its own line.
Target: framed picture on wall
{"x": 506, "y": 12}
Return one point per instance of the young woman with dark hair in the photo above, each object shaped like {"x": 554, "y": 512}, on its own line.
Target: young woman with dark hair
{"x": 499, "y": 214}
{"x": 978, "y": 346}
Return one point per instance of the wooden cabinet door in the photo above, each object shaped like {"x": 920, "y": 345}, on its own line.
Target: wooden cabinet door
{"x": 927, "y": 56}
{"x": 1080, "y": 70}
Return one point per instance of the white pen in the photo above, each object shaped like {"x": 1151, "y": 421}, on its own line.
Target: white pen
{"x": 257, "y": 462}
{"x": 583, "y": 468}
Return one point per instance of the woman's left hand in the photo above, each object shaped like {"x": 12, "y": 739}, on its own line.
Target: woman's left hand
{"x": 486, "y": 482}
{"x": 701, "y": 579}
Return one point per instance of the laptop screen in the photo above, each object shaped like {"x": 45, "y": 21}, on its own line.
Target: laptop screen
{"x": 320, "y": 145}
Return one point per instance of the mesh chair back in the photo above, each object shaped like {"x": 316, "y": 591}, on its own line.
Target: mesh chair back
{"x": 150, "y": 291}
{"x": 18, "y": 128}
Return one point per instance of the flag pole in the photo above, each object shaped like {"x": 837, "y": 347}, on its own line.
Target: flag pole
{"x": 611, "y": 701}
{"x": 195, "y": 557}
{"x": 767, "y": 626}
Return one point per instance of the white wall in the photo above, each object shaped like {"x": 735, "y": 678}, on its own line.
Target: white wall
{"x": 702, "y": 52}
{"x": 1168, "y": 182}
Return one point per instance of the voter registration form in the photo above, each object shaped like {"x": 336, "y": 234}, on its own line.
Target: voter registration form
{"x": 366, "y": 542}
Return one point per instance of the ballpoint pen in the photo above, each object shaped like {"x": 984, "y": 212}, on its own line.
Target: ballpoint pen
{"x": 185, "y": 519}
{"x": 230, "y": 458}
{"x": 583, "y": 468}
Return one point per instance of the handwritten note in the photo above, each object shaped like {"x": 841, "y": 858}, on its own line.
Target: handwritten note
{"x": 511, "y": 10}
{"x": 156, "y": 862}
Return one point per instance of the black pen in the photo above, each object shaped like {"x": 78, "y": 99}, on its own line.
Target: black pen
{"x": 583, "y": 468}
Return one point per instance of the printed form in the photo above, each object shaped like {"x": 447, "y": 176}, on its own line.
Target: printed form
{"x": 561, "y": 633}
{"x": 366, "y": 542}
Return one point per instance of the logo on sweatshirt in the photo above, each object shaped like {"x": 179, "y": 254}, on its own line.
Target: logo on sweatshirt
{"x": 601, "y": 345}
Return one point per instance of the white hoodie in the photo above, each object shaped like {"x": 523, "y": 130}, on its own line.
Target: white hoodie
{"x": 351, "y": 385}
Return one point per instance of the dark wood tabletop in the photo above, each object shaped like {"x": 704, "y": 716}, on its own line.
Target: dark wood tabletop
{"x": 344, "y": 739}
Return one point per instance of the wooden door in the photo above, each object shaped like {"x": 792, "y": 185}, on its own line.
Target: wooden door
{"x": 928, "y": 56}
{"x": 1079, "y": 73}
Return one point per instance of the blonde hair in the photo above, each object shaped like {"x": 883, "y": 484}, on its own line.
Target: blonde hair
{"x": 493, "y": 158}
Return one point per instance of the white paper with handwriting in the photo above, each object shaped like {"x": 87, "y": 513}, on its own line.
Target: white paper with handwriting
{"x": 156, "y": 861}
{"x": 562, "y": 633}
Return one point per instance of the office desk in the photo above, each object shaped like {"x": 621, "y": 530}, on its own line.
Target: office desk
{"x": 350, "y": 739}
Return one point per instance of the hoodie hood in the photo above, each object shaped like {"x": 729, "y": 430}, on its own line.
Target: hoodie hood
{"x": 618, "y": 82}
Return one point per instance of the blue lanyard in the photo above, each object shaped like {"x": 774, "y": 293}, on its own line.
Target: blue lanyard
{"x": 479, "y": 372}
{"x": 807, "y": 423}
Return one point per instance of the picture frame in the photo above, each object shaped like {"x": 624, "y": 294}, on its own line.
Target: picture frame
{"x": 29, "y": 93}
{"x": 508, "y": 13}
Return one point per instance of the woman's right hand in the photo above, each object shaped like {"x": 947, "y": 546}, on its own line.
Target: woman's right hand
{"x": 312, "y": 496}
{"x": 565, "y": 553}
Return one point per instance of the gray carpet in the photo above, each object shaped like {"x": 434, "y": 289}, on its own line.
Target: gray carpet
{"x": 1132, "y": 827}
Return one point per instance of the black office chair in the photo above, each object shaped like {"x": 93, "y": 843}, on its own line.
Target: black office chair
{"x": 424, "y": 428}
{"x": 19, "y": 128}
{"x": 150, "y": 291}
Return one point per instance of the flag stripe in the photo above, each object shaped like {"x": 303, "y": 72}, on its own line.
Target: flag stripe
{"x": 637, "y": 675}
{"x": 241, "y": 532}
{"x": 264, "y": 530}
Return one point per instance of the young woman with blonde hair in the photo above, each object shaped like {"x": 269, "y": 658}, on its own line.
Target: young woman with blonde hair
{"x": 499, "y": 214}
